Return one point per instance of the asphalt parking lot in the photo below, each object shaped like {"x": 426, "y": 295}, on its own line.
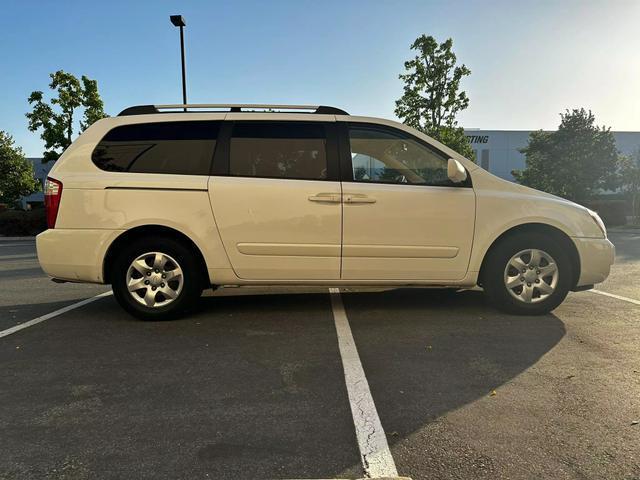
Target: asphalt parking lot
{"x": 252, "y": 384}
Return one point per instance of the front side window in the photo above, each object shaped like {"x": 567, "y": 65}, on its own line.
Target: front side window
{"x": 279, "y": 150}
{"x": 179, "y": 148}
{"x": 384, "y": 156}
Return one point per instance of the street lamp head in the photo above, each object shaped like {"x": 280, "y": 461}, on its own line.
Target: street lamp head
{"x": 178, "y": 20}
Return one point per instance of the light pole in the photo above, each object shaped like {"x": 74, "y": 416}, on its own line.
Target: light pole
{"x": 178, "y": 21}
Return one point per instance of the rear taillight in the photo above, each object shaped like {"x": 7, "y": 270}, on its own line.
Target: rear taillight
{"x": 52, "y": 195}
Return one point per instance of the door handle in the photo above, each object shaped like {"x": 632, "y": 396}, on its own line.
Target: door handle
{"x": 325, "y": 197}
{"x": 358, "y": 198}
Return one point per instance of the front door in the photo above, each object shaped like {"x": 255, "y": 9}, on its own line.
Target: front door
{"x": 276, "y": 200}
{"x": 403, "y": 218}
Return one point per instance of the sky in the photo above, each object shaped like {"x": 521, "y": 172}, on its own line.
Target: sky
{"x": 529, "y": 60}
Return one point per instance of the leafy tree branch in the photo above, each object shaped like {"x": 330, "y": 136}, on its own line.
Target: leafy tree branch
{"x": 432, "y": 98}
{"x": 56, "y": 118}
{"x": 575, "y": 162}
{"x": 16, "y": 172}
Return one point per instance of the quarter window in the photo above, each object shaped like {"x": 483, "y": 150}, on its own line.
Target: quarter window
{"x": 179, "y": 148}
{"x": 382, "y": 156}
{"x": 279, "y": 150}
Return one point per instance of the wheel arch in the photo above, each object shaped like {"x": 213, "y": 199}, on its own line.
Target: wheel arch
{"x": 153, "y": 231}
{"x": 561, "y": 237}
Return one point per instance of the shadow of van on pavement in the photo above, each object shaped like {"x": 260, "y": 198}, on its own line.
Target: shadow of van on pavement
{"x": 429, "y": 352}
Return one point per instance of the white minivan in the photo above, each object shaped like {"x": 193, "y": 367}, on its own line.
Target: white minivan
{"x": 164, "y": 201}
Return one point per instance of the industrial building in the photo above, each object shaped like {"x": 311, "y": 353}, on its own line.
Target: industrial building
{"x": 41, "y": 170}
{"x": 498, "y": 150}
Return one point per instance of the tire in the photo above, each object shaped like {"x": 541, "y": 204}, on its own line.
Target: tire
{"x": 533, "y": 291}
{"x": 159, "y": 297}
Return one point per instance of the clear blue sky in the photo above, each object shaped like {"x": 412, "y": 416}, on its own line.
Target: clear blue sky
{"x": 529, "y": 60}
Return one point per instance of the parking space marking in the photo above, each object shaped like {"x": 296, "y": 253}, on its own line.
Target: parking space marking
{"x": 372, "y": 441}
{"x": 60, "y": 311}
{"x": 619, "y": 297}
{"x": 18, "y": 256}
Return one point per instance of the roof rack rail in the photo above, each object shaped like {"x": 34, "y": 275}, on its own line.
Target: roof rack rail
{"x": 231, "y": 107}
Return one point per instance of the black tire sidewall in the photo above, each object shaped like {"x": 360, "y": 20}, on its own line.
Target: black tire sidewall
{"x": 493, "y": 277}
{"x": 191, "y": 288}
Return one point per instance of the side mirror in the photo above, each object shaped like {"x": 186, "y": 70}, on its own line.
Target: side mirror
{"x": 455, "y": 171}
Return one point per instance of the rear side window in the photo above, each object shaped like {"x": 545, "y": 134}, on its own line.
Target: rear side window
{"x": 178, "y": 148}
{"x": 279, "y": 150}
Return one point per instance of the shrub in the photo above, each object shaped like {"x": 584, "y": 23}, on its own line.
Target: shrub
{"x": 612, "y": 212}
{"x": 16, "y": 223}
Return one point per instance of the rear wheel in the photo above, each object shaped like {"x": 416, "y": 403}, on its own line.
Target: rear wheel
{"x": 156, "y": 279}
{"x": 527, "y": 274}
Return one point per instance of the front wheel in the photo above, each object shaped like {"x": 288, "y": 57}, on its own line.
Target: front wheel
{"x": 156, "y": 279}
{"x": 527, "y": 274}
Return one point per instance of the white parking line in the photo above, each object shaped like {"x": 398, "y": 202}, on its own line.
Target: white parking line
{"x": 619, "y": 297}
{"x": 66, "y": 309}
{"x": 18, "y": 256}
{"x": 372, "y": 441}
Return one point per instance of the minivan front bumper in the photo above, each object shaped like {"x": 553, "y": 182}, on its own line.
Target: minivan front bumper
{"x": 596, "y": 257}
{"x": 75, "y": 255}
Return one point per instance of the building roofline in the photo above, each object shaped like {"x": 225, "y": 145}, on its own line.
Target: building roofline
{"x": 474, "y": 129}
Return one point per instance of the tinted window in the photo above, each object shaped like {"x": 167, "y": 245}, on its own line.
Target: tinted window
{"x": 279, "y": 150}
{"x": 183, "y": 148}
{"x": 383, "y": 156}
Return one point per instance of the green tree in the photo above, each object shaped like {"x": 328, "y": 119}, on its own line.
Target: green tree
{"x": 16, "y": 172}
{"x": 56, "y": 119}
{"x": 432, "y": 97}
{"x": 574, "y": 162}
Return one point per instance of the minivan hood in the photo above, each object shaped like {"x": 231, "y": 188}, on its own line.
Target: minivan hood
{"x": 492, "y": 181}
{"x": 506, "y": 204}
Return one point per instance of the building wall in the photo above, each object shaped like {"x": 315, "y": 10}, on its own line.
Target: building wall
{"x": 41, "y": 171}
{"x": 497, "y": 150}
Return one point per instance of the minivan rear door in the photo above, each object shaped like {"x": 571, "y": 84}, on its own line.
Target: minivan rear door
{"x": 276, "y": 197}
